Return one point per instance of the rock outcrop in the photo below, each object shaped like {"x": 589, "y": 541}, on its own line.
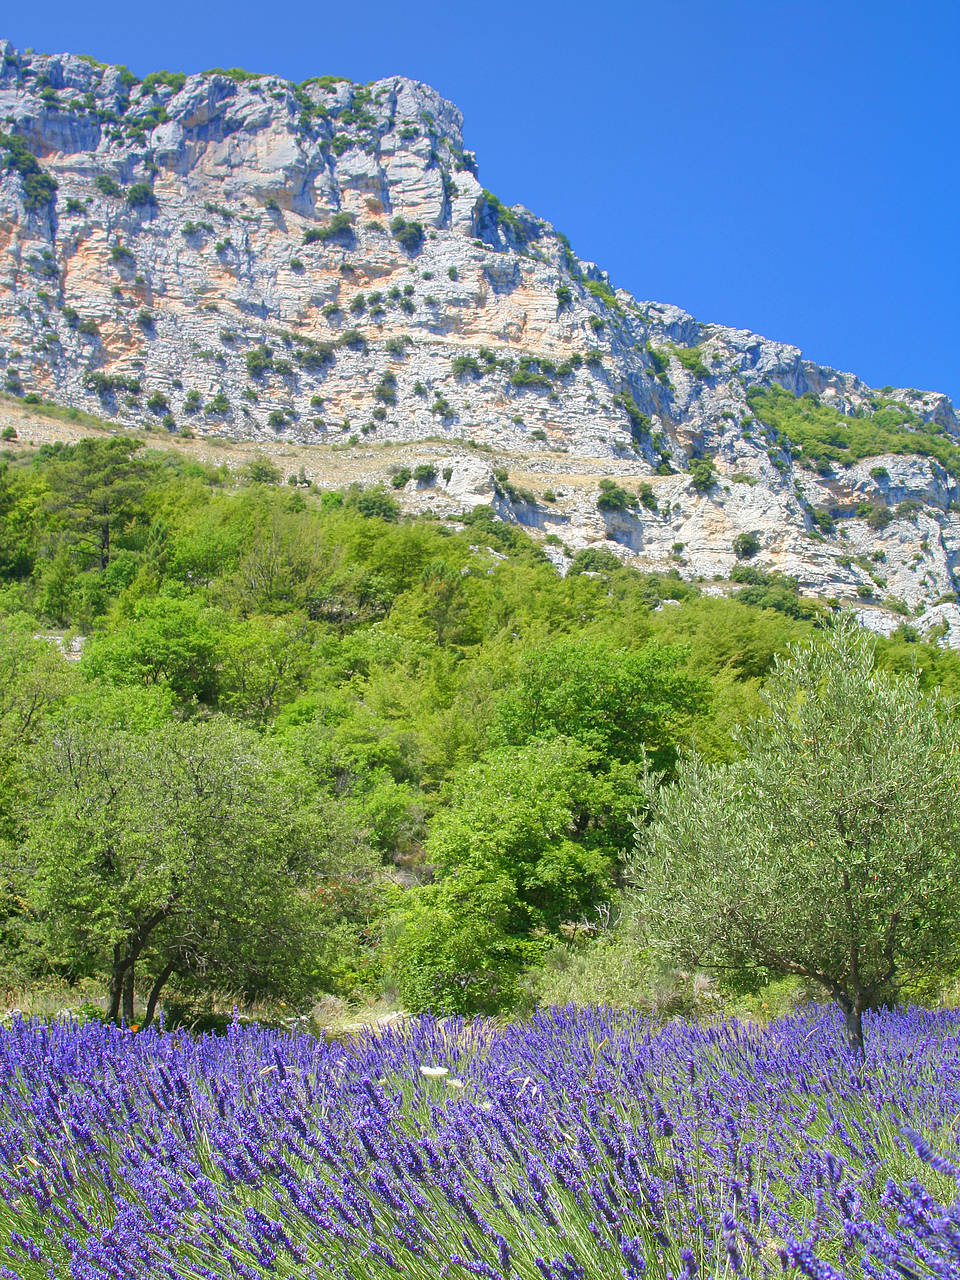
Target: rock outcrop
{"x": 237, "y": 256}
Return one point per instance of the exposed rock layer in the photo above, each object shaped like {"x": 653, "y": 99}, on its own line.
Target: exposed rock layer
{"x": 247, "y": 258}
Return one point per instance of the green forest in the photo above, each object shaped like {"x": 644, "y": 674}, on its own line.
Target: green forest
{"x": 259, "y": 743}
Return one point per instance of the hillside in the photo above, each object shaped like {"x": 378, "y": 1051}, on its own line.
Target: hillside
{"x": 318, "y": 268}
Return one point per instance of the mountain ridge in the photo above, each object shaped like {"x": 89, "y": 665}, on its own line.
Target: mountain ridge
{"x": 235, "y": 256}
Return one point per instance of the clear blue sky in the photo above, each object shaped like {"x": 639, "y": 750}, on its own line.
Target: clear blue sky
{"x": 788, "y": 166}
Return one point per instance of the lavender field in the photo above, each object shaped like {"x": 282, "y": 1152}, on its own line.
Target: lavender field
{"x": 577, "y": 1144}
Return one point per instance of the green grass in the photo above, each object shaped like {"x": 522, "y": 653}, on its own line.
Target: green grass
{"x": 46, "y": 409}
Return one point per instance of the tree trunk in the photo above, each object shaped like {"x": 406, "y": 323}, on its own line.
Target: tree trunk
{"x": 128, "y": 978}
{"x": 116, "y": 983}
{"x": 853, "y": 1023}
{"x": 155, "y": 992}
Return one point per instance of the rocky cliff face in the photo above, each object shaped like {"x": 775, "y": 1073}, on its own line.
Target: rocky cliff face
{"x": 235, "y": 255}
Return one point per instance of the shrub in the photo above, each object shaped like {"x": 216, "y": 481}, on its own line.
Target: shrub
{"x": 639, "y": 421}
{"x": 614, "y": 498}
{"x": 400, "y": 477}
{"x": 121, "y": 255}
{"x": 315, "y": 355}
{"x": 374, "y": 503}
{"x": 424, "y": 473}
{"x": 276, "y": 419}
{"x": 386, "y": 389}
{"x": 703, "y": 474}
{"x": 449, "y": 949}
{"x": 218, "y": 405}
{"x": 509, "y": 221}
{"x": 258, "y": 361}
{"x": 106, "y": 186}
{"x": 192, "y": 402}
{"x": 659, "y": 359}
{"x": 174, "y": 80}
{"x": 594, "y": 560}
{"x": 692, "y": 360}
{"x": 158, "y": 402}
{"x": 146, "y": 321}
{"x": 353, "y": 339}
{"x": 8, "y": 433}
{"x": 140, "y": 196}
{"x": 564, "y": 296}
{"x": 409, "y": 235}
{"x": 340, "y": 227}
{"x": 648, "y": 498}
{"x": 746, "y": 545}
{"x": 462, "y": 366}
{"x": 877, "y": 514}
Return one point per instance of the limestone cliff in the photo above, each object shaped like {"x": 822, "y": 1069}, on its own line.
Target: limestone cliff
{"x": 237, "y": 256}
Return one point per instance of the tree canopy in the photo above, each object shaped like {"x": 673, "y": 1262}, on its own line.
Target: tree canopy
{"x": 830, "y": 848}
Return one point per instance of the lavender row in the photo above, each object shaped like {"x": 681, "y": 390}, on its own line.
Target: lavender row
{"x": 575, "y": 1145}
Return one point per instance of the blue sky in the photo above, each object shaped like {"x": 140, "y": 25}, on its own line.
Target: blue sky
{"x": 789, "y": 167}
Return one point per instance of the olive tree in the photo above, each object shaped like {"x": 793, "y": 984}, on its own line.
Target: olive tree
{"x": 830, "y": 848}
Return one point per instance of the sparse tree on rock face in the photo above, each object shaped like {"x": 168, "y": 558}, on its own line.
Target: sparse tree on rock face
{"x": 830, "y": 849}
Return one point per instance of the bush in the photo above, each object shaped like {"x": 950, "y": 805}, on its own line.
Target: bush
{"x": 374, "y": 503}
{"x": 463, "y": 366}
{"x": 158, "y": 402}
{"x": 877, "y": 515}
{"x": 594, "y": 560}
{"x": 659, "y": 359}
{"x": 425, "y": 473}
{"x": 39, "y": 188}
{"x": 564, "y": 296}
{"x": 746, "y": 545}
{"x": 386, "y": 389}
{"x": 692, "y": 360}
{"x": 140, "y": 196}
{"x": 409, "y": 235}
{"x": 702, "y": 474}
{"x": 614, "y": 498}
{"x": 340, "y": 227}
{"x": 505, "y": 218}
{"x": 400, "y": 477}
{"x": 218, "y": 405}
{"x": 639, "y": 421}
{"x": 106, "y": 185}
{"x": 648, "y": 498}
{"x": 448, "y": 949}
{"x": 258, "y": 361}
{"x": 353, "y": 339}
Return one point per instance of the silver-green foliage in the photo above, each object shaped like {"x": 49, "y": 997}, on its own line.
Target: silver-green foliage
{"x": 830, "y": 849}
